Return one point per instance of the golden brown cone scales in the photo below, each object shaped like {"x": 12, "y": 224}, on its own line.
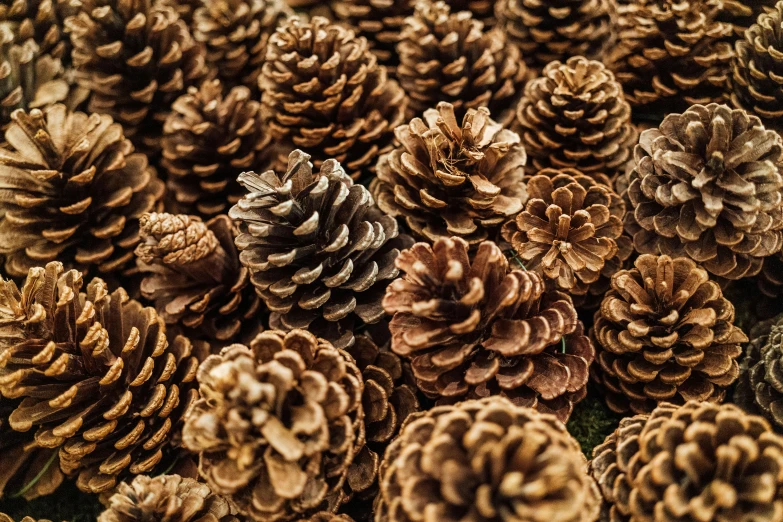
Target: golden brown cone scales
{"x": 482, "y": 10}
{"x": 6, "y": 518}
{"x": 741, "y": 14}
{"x": 41, "y": 21}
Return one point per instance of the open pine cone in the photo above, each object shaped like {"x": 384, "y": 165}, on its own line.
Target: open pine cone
{"x": 742, "y": 14}
{"x": 707, "y": 185}
{"x": 760, "y": 386}
{"x": 699, "y": 462}
{"x": 41, "y": 21}
{"x": 278, "y": 424}
{"x": 449, "y": 179}
{"x": 471, "y": 328}
{"x": 486, "y": 461}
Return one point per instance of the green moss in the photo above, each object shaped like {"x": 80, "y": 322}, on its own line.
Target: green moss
{"x": 591, "y": 422}
{"x": 67, "y": 504}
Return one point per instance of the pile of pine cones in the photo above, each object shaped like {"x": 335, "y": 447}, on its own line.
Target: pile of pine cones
{"x": 359, "y": 260}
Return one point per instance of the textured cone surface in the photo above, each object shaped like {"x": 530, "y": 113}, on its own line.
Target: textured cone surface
{"x": 41, "y": 21}
{"x": 319, "y": 251}
{"x": 325, "y": 516}
{"x": 482, "y": 10}
{"x": 471, "y": 328}
{"x": 575, "y": 116}
{"x": 184, "y": 8}
{"x": 694, "y": 463}
{"x": 74, "y": 192}
{"x": 760, "y": 385}
{"x": 448, "y": 179}
{"x": 665, "y": 333}
{"x": 95, "y": 374}
{"x": 6, "y": 518}
{"x": 326, "y": 93}
{"x": 707, "y": 185}
{"x": 278, "y": 424}
{"x": 193, "y": 275}
{"x": 486, "y": 461}
{"x": 742, "y": 14}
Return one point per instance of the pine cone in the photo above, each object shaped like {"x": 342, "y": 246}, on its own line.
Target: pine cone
{"x": 326, "y": 93}
{"x": 320, "y": 252}
{"x": 278, "y": 424}
{"x": 471, "y": 328}
{"x": 760, "y": 386}
{"x": 184, "y": 8}
{"x": 486, "y": 461}
{"x": 697, "y": 463}
{"x": 74, "y": 191}
{"x": 575, "y": 116}
{"x": 448, "y": 56}
{"x": 770, "y": 279}
{"x": 482, "y": 10}
{"x": 707, "y": 185}
{"x": 6, "y": 518}
{"x": 193, "y": 275}
{"x": 95, "y": 374}
{"x": 325, "y": 516}
{"x": 41, "y": 21}
{"x": 207, "y": 140}
{"x": 166, "y": 498}
{"x": 450, "y": 180}
{"x": 741, "y": 14}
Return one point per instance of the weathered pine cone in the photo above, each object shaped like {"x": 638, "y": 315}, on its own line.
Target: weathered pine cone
{"x": 760, "y": 385}
{"x": 699, "y": 462}
{"x": 74, "y": 192}
{"x": 471, "y": 328}
{"x": 278, "y": 424}
{"x": 41, "y": 21}
{"x": 448, "y": 179}
{"x": 486, "y": 461}
{"x": 707, "y": 185}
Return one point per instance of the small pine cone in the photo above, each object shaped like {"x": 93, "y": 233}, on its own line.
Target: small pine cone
{"x": 760, "y": 385}
{"x": 320, "y": 252}
{"x": 326, "y": 93}
{"x": 278, "y": 424}
{"x": 707, "y": 185}
{"x": 97, "y": 376}
{"x": 166, "y": 498}
{"x": 665, "y": 332}
{"x": 575, "y": 116}
{"x": 74, "y": 192}
{"x": 450, "y": 180}
{"x": 193, "y": 275}
{"x": 448, "y": 56}
{"x": 486, "y": 461}
{"x": 207, "y": 140}
{"x": 741, "y": 14}
{"x": 699, "y": 462}
{"x": 41, "y": 21}
{"x": 471, "y": 328}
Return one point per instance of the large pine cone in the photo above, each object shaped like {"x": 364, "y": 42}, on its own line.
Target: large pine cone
{"x": 74, "y": 192}
{"x": 451, "y": 180}
{"x": 665, "y": 333}
{"x": 320, "y": 252}
{"x": 486, "y": 461}
{"x": 193, "y": 275}
{"x": 208, "y": 139}
{"x": 707, "y": 185}
{"x": 575, "y": 116}
{"x": 699, "y": 462}
{"x": 326, "y": 93}
{"x": 760, "y": 385}
{"x": 448, "y": 56}
{"x": 278, "y": 424}
{"x": 41, "y": 21}
{"x": 96, "y": 375}
{"x": 471, "y": 328}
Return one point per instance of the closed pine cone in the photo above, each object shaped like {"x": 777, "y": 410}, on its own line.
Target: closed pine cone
{"x": 326, "y": 93}
{"x": 575, "y": 116}
{"x": 74, "y": 192}
{"x": 486, "y": 461}
{"x": 448, "y": 179}
{"x": 471, "y": 328}
{"x": 760, "y": 386}
{"x": 741, "y": 14}
{"x": 665, "y": 332}
{"x": 699, "y": 462}
{"x": 278, "y": 424}
{"x": 707, "y": 185}
{"x": 208, "y": 139}
{"x": 41, "y": 21}
{"x": 95, "y": 374}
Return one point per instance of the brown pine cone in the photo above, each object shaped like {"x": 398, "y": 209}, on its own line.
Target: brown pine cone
{"x": 74, "y": 192}
{"x": 193, "y": 275}
{"x": 707, "y": 185}
{"x": 6, "y": 518}
{"x": 450, "y": 180}
{"x": 320, "y": 252}
{"x": 770, "y": 279}
{"x": 665, "y": 332}
{"x": 482, "y": 10}
{"x": 325, "y": 516}
{"x": 41, "y": 21}
{"x": 486, "y": 461}
{"x": 699, "y": 462}
{"x": 208, "y": 139}
{"x": 760, "y": 385}
{"x": 326, "y": 93}
{"x": 97, "y": 376}
{"x": 184, "y": 8}
{"x": 471, "y": 328}
{"x": 448, "y": 56}
{"x": 741, "y": 14}
{"x": 278, "y": 424}
{"x": 575, "y": 116}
